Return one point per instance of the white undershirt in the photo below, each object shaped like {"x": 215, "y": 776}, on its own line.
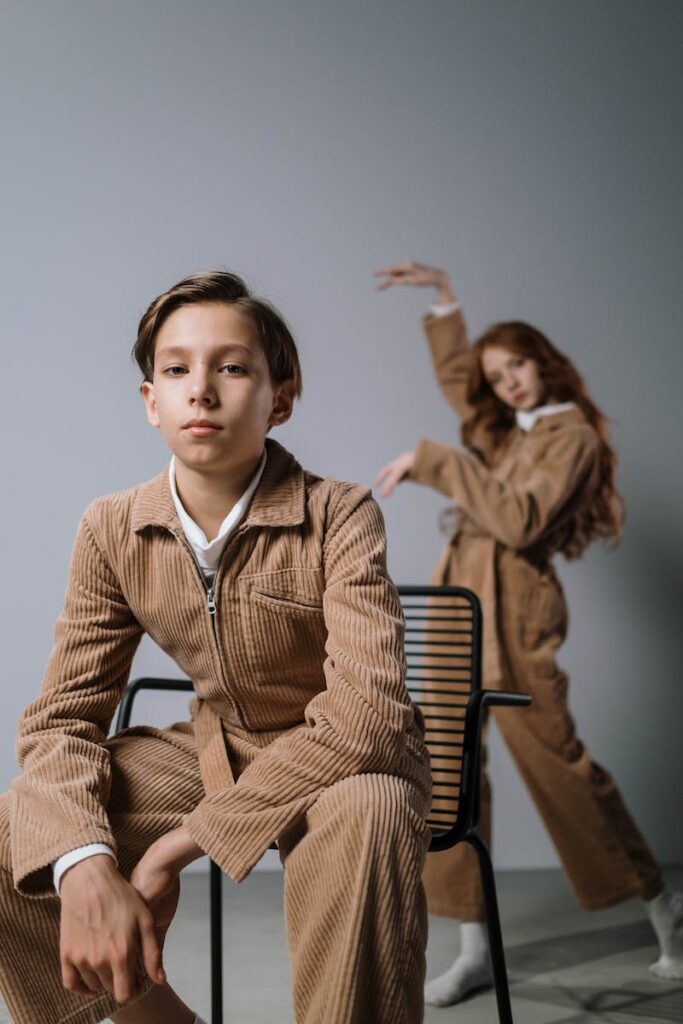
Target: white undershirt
{"x": 207, "y": 553}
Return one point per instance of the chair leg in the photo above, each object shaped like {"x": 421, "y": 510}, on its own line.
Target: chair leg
{"x": 216, "y": 914}
{"x": 500, "y": 977}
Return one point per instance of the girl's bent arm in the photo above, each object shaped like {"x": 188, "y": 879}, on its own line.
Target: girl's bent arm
{"x": 515, "y": 514}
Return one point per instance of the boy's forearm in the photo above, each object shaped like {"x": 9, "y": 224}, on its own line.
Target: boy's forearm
{"x": 174, "y": 850}
{"x": 59, "y": 800}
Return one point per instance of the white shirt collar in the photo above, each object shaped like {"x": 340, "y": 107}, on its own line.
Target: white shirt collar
{"x": 527, "y": 419}
{"x": 209, "y": 552}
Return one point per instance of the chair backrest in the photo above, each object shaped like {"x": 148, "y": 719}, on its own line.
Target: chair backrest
{"x": 443, "y": 654}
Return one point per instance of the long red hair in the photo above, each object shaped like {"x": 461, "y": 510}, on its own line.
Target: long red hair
{"x": 491, "y": 421}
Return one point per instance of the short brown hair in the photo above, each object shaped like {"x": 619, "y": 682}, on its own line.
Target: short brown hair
{"x": 270, "y": 328}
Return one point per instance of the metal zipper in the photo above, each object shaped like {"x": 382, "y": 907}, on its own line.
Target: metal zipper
{"x": 211, "y": 591}
{"x": 211, "y": 604}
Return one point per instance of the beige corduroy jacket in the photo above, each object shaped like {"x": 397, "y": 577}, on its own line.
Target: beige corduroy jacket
{"x": 299, "y": 671}
{"x": 512, "y": 503}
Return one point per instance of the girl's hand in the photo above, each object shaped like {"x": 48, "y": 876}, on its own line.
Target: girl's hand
{"x": 419, "y": 274}
{"x": 393, "y": 473}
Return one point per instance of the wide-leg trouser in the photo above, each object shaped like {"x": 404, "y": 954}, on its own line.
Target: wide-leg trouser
{"x": 354, "y": 901}
{"x": 603, "y": 854}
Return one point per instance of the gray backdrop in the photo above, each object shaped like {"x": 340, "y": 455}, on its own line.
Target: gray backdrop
{"x": 533, "y": 148}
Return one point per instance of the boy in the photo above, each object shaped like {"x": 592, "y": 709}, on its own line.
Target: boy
{"x": 268, "y": 587}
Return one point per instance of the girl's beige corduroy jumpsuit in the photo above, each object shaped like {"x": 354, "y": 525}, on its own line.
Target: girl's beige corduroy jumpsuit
{"x": 302, "y": 731}
{"x": 511, "y": 504}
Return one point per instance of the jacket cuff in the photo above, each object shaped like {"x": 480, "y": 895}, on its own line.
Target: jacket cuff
{"x": 446, "y": 333}
{"x": 33, "y": 874}
{"x": 429, "y": 466}
{"x": 235, "y": 846}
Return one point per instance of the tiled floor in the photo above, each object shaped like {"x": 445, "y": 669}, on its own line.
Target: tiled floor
{"x": 565, "y": 967}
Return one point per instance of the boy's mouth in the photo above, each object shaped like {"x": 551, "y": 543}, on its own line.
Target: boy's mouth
{"x": 201, "y": 428}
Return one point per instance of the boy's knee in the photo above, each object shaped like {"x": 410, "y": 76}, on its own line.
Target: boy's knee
{"x": 380, "y": 804}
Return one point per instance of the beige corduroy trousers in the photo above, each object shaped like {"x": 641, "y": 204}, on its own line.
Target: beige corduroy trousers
{"x": 354, "y": 902}
{"x": 604, "y": 856}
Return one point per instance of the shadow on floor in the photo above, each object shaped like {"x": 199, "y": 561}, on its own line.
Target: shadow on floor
{"x": 643, "y": 999}
{"x": 558, "y": 952}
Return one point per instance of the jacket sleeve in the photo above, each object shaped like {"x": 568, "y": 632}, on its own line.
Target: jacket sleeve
{"x": 357, "y": 724}
{"x": 58, "y": 802}
{"x": 451, "y": 358}
{"x": 515, "y": 514}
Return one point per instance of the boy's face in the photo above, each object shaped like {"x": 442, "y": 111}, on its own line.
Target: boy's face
{"x": 211, "y": 394}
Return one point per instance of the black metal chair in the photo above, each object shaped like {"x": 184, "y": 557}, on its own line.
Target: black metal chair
{"x": 443, "y": 655}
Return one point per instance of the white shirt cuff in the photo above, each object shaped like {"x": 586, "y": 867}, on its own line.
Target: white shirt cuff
{"x": 68, "y": 860}
{"x": 445, "y": 309}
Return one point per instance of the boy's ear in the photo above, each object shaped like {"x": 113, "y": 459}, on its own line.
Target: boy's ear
{"x": 147, "y": 392}
{"x": 283, "y": 403}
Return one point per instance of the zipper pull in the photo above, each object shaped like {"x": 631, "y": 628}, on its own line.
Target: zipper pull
{"x": 211, "y": 600}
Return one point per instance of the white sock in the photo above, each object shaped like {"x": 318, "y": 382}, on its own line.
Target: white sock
{"x": 470, "y": 970}
{"x": 666, "y": 917}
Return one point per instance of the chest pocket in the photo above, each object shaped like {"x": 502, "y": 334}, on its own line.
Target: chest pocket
{"x": 284, "y": 630}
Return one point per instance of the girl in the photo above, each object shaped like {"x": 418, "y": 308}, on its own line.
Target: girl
{"x": 537, "y": 478}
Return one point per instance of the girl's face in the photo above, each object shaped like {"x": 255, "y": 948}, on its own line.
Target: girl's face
{"x": 514, "y": 378}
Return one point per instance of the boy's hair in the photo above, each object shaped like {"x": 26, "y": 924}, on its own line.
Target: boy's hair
{"x": 268, "y": 325}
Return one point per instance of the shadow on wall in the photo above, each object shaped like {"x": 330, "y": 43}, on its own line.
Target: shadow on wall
{"x": 651, "y": 589}
{"x": 646, "y": 588}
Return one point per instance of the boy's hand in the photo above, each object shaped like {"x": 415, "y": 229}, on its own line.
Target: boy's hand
{"x": 156, "y": 876}
{"x": 392, "y": 474}
{"x": 104, "y": 921}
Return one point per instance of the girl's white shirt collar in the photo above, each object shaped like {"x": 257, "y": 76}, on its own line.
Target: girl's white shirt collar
{"x": 527, "y": 419}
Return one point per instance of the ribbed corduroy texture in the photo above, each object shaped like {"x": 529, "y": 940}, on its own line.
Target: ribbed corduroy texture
{"x": 512, "y": 508}
{"x": 155, "y": 782}
{"x": 354, "y": 901}
{"x": 300, "y": 683}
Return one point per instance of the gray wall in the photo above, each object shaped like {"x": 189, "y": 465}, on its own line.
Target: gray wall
{"x": 533, "y": 148}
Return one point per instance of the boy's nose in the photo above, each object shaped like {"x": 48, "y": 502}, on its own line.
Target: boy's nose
{"x": 201, "y": 393}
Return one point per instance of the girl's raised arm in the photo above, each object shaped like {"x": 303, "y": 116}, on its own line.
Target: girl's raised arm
{"x": 446, "y": 333}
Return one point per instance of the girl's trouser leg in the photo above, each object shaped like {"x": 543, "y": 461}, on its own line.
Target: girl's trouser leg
{"x": 354, "y": 904}
{"x": 451, "y": 877}
{"x": 155, "y": 783}
{"x": 603, "y": 854}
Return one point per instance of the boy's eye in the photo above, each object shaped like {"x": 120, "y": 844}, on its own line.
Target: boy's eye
{"x": 175, "y": 371}
{"x": 518, "y": 362}
{"x": 232, "y": 369}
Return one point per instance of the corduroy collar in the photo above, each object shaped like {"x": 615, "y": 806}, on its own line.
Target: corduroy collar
{"x": 279, "y": 499}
